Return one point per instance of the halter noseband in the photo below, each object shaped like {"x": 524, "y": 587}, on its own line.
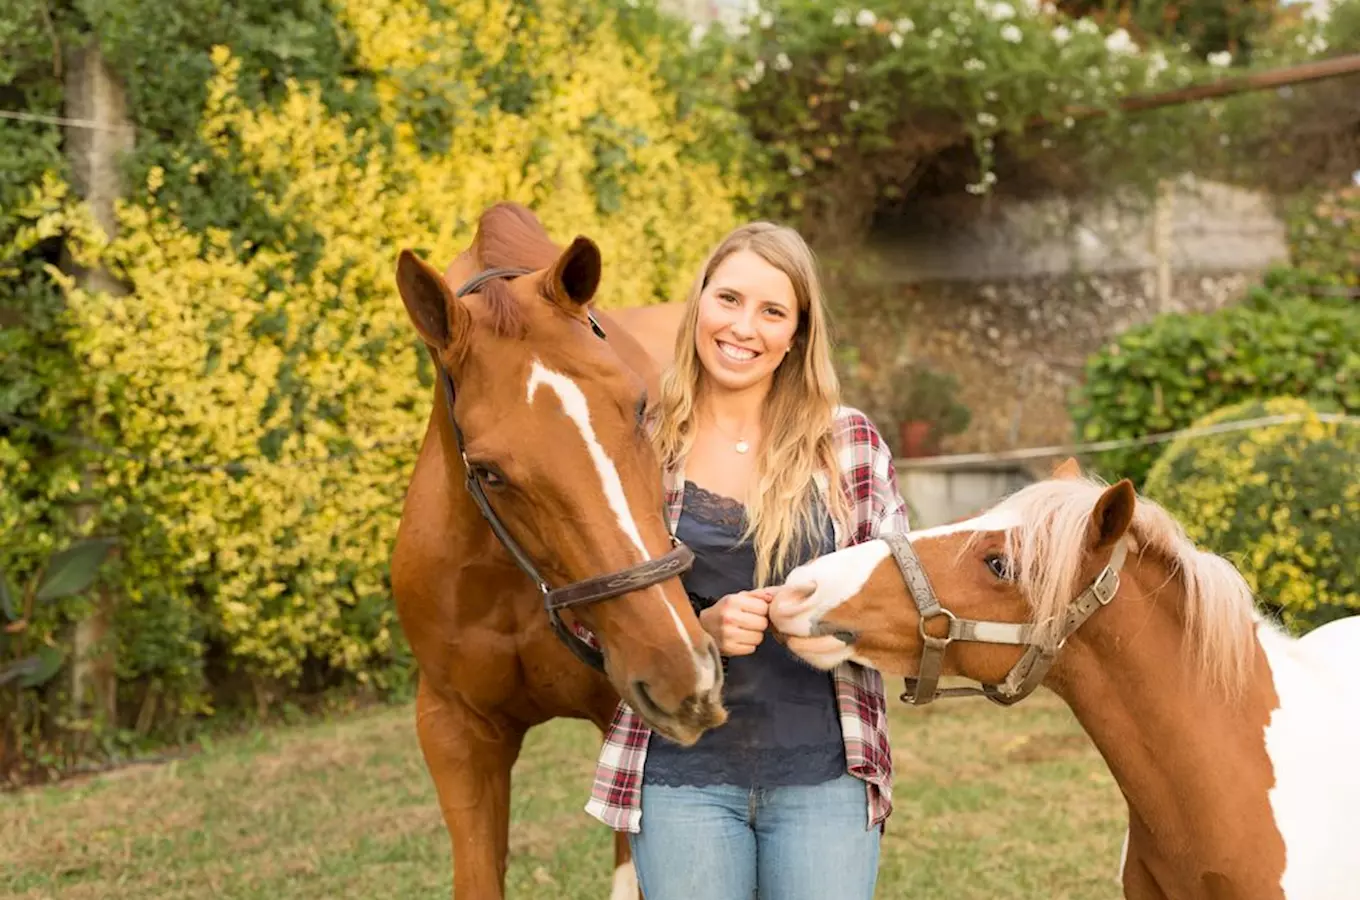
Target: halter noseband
{"x": 1027, "y": 674}
{"x": 580, "y": 593}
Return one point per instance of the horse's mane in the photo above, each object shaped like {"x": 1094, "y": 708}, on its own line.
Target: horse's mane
{"x": 1046, "y": 552}
{"x": 510, "y": 235}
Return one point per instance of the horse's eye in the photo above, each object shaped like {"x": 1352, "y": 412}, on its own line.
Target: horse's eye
{"x": 490, "y": 477}
{"x": 999, "y": 565}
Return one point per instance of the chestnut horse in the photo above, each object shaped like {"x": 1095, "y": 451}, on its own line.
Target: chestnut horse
{"x": 1236, "y": 746}
{"x": 536, "y": 460}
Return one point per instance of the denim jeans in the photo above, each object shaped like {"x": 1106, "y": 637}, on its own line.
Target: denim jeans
{"x": 734, "y": 843}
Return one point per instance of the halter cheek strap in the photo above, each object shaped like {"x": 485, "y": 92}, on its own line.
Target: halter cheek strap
{"x": 1029, "y": 672}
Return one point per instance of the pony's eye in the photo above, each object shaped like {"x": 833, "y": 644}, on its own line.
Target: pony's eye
{"x": 999, "y": 566}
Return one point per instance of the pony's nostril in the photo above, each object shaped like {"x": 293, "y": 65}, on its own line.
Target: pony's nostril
{"x": 846, "y": 636}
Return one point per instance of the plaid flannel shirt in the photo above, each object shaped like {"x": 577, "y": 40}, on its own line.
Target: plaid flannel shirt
{"x": 876, "y": 508}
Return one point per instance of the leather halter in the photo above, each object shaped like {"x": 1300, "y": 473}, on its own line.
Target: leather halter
{"x": 1027, "y": 674}
{"x": 580, "y": 593}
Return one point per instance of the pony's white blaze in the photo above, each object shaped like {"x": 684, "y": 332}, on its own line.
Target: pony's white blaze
{"x": 1313, "y": 741}
{"x": 625, "y": 883}
{"x": 1001, "y": 519}
{"x": 836, "y": 577}
{"x": 703, "y": 663}
{"x": 578, "y": 410}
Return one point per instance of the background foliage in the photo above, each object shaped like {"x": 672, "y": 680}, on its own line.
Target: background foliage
{"x": 259, "y": 383}
{"x": 1282, "y": 501}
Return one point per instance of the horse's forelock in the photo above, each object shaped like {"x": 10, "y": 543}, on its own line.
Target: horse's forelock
{"x": 509, "y": 235}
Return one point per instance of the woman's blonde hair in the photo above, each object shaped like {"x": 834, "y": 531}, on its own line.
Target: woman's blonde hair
{"x": 783, "y": 514}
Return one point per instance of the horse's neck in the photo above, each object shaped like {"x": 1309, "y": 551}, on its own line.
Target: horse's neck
{"x": 1188, "y": 758}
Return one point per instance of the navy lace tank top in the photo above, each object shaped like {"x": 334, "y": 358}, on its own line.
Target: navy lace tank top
{"x": 783, "y": 727}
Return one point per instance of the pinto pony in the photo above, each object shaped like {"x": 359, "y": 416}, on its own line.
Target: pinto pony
{"x": 535, "y": 511}
{"x": 1237, "y": 747}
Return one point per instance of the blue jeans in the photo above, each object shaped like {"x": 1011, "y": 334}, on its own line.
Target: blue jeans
{"x": 733, "y": 843}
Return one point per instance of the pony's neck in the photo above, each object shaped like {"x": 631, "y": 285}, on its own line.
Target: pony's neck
{"x": 1190, "y": 760}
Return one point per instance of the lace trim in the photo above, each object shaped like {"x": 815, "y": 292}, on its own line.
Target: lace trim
{"x": 714, "y": 508}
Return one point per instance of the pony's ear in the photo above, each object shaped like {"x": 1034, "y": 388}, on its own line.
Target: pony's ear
{"x": 438, "y": 316}
{"x": 575, "y": 276}
{"x": 1069, "y": 469}
{"x": 1112, "y": 516}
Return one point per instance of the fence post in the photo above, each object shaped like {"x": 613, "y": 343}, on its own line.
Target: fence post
{"x": 93, "y": 94}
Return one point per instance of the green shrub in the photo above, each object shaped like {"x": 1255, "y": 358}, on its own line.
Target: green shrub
{"x": 1281, "y": 501}
{"x": 1164, "y": 375}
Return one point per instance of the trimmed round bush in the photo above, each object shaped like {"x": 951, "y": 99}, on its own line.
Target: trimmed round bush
{"x": 1281, "y": 501}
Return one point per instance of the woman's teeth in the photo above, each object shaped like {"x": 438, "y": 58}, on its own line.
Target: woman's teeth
{"x": 739, "y": 354}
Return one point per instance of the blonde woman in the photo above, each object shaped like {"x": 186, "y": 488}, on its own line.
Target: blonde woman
{"x": 764, "y": 470}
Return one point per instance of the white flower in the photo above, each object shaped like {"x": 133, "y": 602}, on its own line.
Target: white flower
{"x": 782, "y": 63}
{"x": 896, "y": 40}
{"x": 1000, "y": 12}
{"x": 905, "y": 25}
{"x": 1011, "y": 33}
{"x": 986, "y": 120}
{"x": 854, "y": 106}
{"x": 851, "y": 68}
{"x": 865, "y": 18}
{"x": 842, "y": 17}
{"x": 1317, "y": 45}
{"x": 766, "y": 19}
{"x": 974, "y": 65}
{"x": 1220, "y": 60}
{"x": 1061, "y": 35}
{"x": 1086, "y": 26}
{"x": 1157, "y": 64}
{"x": 796, "y": 171}
{"x": 1119, "y": 42}
{"x": 757, "y": 71}
{"x": 1069, "y": 122}
{"x": 696, "y": 34}
{"x": 990, "y": 96}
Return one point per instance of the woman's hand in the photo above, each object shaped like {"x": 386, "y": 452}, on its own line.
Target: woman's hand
{"x": 738, "y": 622}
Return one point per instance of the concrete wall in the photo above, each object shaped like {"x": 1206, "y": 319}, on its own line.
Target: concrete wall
{"x": 938, "y": 495}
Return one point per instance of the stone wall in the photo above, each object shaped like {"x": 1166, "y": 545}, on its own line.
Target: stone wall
{"x": 1017, "y": 346}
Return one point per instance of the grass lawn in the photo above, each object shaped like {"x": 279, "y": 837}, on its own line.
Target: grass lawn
{"x": 991, "y": 803}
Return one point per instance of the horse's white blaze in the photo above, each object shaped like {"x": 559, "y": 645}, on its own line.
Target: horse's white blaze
{"x": 1313, "y": 741}
{"x": 625, "y": 881}
{"x": 578, "y": 410}
{"x": 703, "y": 662}
{"x": 836, "y": 577}
{"x": 574, "y": 404}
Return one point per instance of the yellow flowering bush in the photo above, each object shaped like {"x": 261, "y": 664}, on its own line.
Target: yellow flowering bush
{"x": 1281, "y": 501}
{"x": 260, "y": 382}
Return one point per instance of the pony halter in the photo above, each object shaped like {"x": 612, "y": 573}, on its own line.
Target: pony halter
{"x": 580, "y": 593}
{"x": 1027, "y": 674}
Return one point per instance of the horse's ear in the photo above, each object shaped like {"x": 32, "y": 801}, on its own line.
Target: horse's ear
{"x": 1069, "y": 469}
{"x": 575, "y": 276}
{"x": 1112, "y": 516}
{"x": 438, "y": 316}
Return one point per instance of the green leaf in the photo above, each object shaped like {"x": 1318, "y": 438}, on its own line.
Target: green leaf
{"x": 72, "y": 570}
{"x": 49, "y": 660}
{"x": 8, "y": 597}
{"x": 34, "y": 670}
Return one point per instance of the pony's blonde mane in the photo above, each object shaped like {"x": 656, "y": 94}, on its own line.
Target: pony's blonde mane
{"x": 1047, "y": 550}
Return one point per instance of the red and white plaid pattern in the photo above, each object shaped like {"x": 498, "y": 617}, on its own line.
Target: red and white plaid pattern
{"x": 876, "y": 508}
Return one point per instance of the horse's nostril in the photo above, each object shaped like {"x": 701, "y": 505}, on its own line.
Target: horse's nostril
{"x": 643, "y": 698}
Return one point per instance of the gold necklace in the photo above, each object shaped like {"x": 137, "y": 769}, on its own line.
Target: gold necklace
{"x": 741, "y": 445}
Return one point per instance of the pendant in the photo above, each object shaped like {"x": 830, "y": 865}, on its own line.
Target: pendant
{"x": 742, "y": 446}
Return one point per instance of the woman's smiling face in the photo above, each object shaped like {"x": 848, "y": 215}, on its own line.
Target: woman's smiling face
{"x": 748, "y": 316}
